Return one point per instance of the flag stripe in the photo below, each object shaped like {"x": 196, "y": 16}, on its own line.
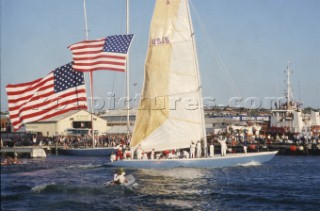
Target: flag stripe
{"x": 41, "y": 87}
{"x": 101, "y": 62}
{"x": 86, "y": 42}
{"x": 98, "y": 68}
{"x": 26, "y": 116}
{"x": 30, "y": 98}
{"x": 23, "y": 89}
{"x": 99, "y": 57}
{"x": 95, "y": 45}
{"x": 41, "y": 101}
{"x": 23, "y": 84}
{"x": 35, "y": 111}
{"x": 47, "y": 105}
{"x": 60, "y": 91}
{"x": 21, "y": 97}
{"x": 91, "y": 51}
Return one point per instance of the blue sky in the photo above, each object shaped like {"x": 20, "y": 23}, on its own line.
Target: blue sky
{"x": 253, "y": 39}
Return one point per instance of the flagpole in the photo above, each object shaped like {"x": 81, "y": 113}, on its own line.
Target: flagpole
{"x": 127, "y": 73}
{"x": 90, "y": 74}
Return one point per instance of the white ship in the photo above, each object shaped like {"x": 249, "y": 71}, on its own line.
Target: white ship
{"x": 289, "y": 117}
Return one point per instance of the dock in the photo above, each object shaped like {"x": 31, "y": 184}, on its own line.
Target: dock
{"x": 34, "y": 152}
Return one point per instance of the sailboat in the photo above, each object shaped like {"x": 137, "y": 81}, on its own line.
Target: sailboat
{"x": 170, "y": 114}
{"x": 95, "y": 151}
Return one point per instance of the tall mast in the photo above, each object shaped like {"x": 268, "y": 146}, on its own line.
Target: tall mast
{"x": 86, "y": 31}
{"x": 205, "y": 144}
{"x": 127, "y": 73}
{"x": 90, "y": 73}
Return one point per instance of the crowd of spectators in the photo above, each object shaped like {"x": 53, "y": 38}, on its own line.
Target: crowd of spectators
{"x": 67, "y": 141}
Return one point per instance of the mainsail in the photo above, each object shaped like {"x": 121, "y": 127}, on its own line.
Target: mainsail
{"x": 170, "y": 113}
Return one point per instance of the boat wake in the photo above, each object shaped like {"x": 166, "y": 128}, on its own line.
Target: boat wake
{"x": 251, "y": 163}
{"x": 182, "y": 173}
{"x": 88, "y": 166}
{"x": 42, "y": 187}
{"x": 65, "y": 189}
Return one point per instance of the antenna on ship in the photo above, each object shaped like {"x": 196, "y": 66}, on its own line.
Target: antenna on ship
{"x": 289, "y": 93}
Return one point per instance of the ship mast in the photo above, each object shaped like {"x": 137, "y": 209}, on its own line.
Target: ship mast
{"x": 90, "y": 72}
{"x": 127, "y": 74}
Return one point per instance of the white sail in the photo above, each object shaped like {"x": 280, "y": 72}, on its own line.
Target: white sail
{"x": 170, "y": 113}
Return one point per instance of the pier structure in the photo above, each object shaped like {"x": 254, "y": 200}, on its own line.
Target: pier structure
{"x": 34, "y": 152}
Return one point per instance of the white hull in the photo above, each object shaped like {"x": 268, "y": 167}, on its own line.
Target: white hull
{"x": 103, "y": 151}
{"x": 215, "y": 162}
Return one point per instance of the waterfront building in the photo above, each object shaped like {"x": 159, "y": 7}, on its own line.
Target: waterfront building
{"x": 117, "y": 120}
{"x": 77, "y": 122}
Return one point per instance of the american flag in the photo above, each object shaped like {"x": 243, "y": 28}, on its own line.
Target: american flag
{"x": 60, "y": 91}
{"x": 109, "y": 53}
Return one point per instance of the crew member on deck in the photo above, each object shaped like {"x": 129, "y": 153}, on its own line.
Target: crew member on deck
{"x": 185, "y": 154}
{"x": 245, "y": 146}
{"x": 113, "y": 157}
{"x": 139, "y": 152}
{"x": 192, "y": 150}
{"x": 211, "y": 150}
{"x": 144, "y": 155}
{"x": 198, "y": 149}
{"x": 119, "y": 154}
{"x": 127, "y": 153}
{"x": 223, "y": 144}
{"x": 152, "y": 155}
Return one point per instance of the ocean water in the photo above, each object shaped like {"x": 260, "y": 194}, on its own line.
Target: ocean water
{"x": 77, "y": 183}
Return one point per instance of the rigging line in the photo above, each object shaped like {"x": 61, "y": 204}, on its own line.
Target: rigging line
{"x": 225, "y": 70}
{"x": 223, "y": 67}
